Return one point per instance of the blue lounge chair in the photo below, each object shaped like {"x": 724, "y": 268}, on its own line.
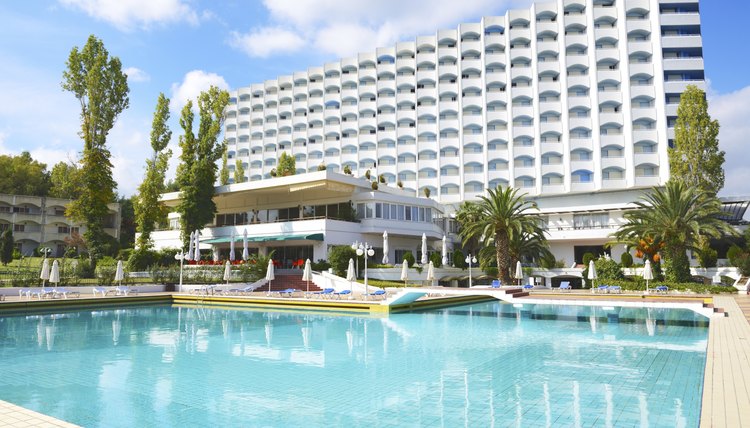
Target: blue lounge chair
{"x": 528, "y": 287}
{"x": 565, "y": 285}
{"x": 338, "y": 294}
{"x": 662, "y": 289}
{"x": 615, "y": 289}
{"x": 247, "y": 289}
{"x": 287, "y": 292}
{"x": 602, "y": 289}
{"x": 496, "y": 283}
{"x": 324, "y": 293}
{"x": 378, "y": 293}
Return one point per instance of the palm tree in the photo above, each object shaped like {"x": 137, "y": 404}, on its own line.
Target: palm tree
{"x": 675, "y": 217}
{"x": 500, "y": 219}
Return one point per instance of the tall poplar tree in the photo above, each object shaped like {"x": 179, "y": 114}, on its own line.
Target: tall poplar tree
{"x": 224, "y": 173}
{"x": 696, "y": 159}
{"x": 196, "y": 173}
{"x": 148, "y": 210}
{"x": 101, "y": 87}
{"x": 239, "y": 171}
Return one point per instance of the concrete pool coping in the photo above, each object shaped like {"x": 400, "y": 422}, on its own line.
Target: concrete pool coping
{"x": 726, "y": 385}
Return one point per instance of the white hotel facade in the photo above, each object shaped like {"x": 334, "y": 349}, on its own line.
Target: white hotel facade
{"x": 571, "y": 101}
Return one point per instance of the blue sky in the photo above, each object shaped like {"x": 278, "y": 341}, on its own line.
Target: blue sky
{"x": 179, "y": 47}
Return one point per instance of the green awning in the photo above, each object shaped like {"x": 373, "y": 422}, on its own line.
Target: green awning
{"x": 308, "y": 237}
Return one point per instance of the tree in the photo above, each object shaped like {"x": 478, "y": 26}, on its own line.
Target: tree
{"x": 101, "y": 87}
{"x": 696, "y": 159}
{"x": 503, "y": 215}
{"x": 239, "y": 171}
{"x": 127, "y": 222}
{"x": 675, "y": 217}
{"x": 287, "y": 165}
{"x": 224, "y": 173}
{"x": 22, "y": 175}
{"x": 66, "y": 180}
{"x": 6, "y": 247}
{"x": 148, "y": 210}
{"x": 196, "y": 173}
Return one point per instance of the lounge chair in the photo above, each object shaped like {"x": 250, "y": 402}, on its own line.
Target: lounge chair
{"x": 661, "y": 289}
{"x": 615, "y": 289}
{"x": 40, "y": 293}
{"x": 378, "y": 293}
{"x": 528, "y": 287}
{"x": 496, "y": 283}
{"x": 124, "y": 291}
{"x": 99, "y": 290}
{"x": 23, "y": 292}
{"x": 326, "y": 292}
{"x": 64, "y": 292}
{"x": 338, "y": 294}
{"x": 602, "y": 289}
{"x": 287, "y": 292}
{"x": 243, "y": 290}
{"x": 565, "y": 285}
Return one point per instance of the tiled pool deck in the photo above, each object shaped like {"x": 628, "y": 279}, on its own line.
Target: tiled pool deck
{"x": 726, "y": 391}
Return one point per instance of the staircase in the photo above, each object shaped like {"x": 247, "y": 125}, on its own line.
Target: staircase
{"x": 284, "y": 281}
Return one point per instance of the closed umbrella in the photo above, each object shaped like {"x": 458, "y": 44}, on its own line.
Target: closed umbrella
{"x": 519, "y": 272}
{"x": 54, "y": 275}
{"x": 44, "y": 275}
{"x": 647, "y": 273}
{"x": 307, "y": 274}
{"x": 119, "y": 273}
{"x": 269, "y": 275}
{"x": 245, "y": 255}
{"x": 424, "y": 249}
{"x": 231, "y": 247}
{"x": 592, "y": 273}
{"x": 405, "y": 272}
{"x": 197, "y": 255}
{"x": 227, "y": 271}
{"x": 430, "y": 272}
{"x": 189, "y": 255}
{"x": 385, "y": 247}
{"x": 351, "y": 275}
{"x": 444, "y": 251}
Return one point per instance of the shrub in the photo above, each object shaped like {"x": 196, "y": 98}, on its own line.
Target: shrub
{"x": 17, "y": 254}
{"x": 626, "y": 260}
{"x": 347, "y": 170}
{"x": 320, "y": 265}
{"x": 743, "y": 263}
{"x": 409, "y": 257}
{"x": 339, "y": 257}
{"x": 381, "y": 178}
{"x": 733, "y": 253}
{"x": 140, "y": 259}
{"x": 426, "y": 191}
{"x": 436, "y": 259}
{"x": 322, "y": 167}
{"x": 587, "y": 257}
{"x": 124, "y": 254}
{"x": 84, "y": 269}
{"x": 707, "y": 257}
{"x": 606, "y": 268}
{"x": 166, "y": 275}
{"x": 106, "y": 274}
{"x": 374, "y": 185}
{"x": 400, "y": 184}
{"x": 459, "y": 260}
{"x": 367, "y": 174}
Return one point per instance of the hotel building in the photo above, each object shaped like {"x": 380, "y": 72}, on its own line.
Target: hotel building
{"x": 571, "y": 101}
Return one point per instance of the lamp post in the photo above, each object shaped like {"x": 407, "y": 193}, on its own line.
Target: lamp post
{"x": 181, "y": 257}
{"x": 470, "y": 260}
{"x": 367, "y": 251}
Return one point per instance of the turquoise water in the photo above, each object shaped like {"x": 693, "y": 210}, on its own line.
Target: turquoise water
{"x": 480, "y": 365}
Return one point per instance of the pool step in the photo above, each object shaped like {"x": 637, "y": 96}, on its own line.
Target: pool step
{"x": 715, "y": 309}
{"x": 516, "y": 292}
{"x": 284, "y": 281}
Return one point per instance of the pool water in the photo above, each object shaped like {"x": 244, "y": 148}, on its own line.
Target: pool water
{"x": 481, "y": 365}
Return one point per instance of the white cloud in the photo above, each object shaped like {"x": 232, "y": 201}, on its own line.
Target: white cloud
{"x": 346, "y": 27}
{"x": 265, "y": 41}
{"x": 136, "y": 75}
{"x": 731, "y": 111}
{"x": 128, "y": 14}
{"x": 191, "y": 86}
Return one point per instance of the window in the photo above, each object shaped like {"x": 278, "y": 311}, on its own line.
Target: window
{"x": 590, "y": 221}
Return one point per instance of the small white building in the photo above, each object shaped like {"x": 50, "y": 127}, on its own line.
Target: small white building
{"x": 302, "y": 216}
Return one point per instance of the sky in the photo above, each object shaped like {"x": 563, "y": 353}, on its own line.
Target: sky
{"x": 180, "y": 47}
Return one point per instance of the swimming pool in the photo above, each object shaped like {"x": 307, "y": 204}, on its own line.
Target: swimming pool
{"x": 476, "y": 365}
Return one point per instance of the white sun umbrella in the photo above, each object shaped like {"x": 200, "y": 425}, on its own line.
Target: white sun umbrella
{"x": 307, "y": 274}
{"x": 269, "y": 275}
{"x": 119, "y": 272}
{"x": 385, "y": 247}
{"x": 227, "y": 271}
{"x": 405, "y": 272}
{"x": 245, "y": 255}
{"x": 351, "y": 275}
{"x": 44, "y": 275}
{"x": 648, "y": 274}
{"x": 189, "y": 255}
{"x": 424, "y": 249}
{"x": 592, "y": 273}
{"x": 54, "y": 275}
{"x": 231, "y": 247}
{"x": 519, "y": 272}
{"x": 430, "y": 272}
{"x": 197, "y": 247}
{"x": 444, "y": 251}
